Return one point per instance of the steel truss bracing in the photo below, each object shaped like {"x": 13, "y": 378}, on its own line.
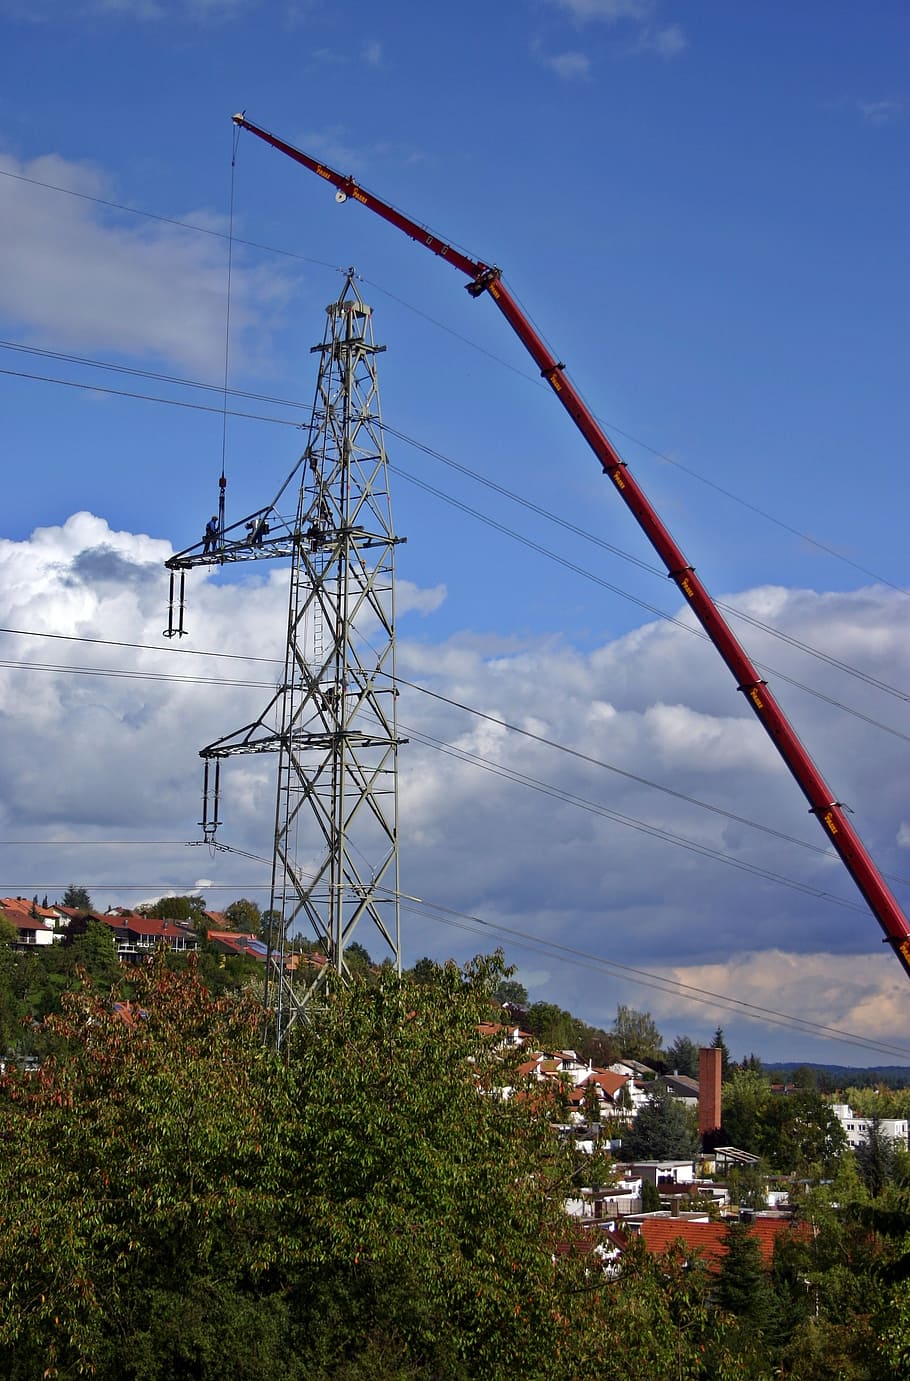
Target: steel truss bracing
{"x": 333, "y": 719}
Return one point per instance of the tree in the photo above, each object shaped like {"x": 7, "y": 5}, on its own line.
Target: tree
{"x": 357, "y": 958}
{"x": 185, "y": 908}
{"x": 242, "y": 915}
{"x": 77, "y": 898}
{"x": 426, "y": 970}
{"x": 682, "y": 1057}
{"x": 877, "y": 1159}
{"x": 744, "y": 1288}
{"x": 269, "y": 927}
{"x": 636, "y": 1034}
{"x": 660, "y": 1131}
{"x": 650, "y": 1197}
{"x": 555, "y": 1028}
{"x": 799, "y": 1133}
{"x": 718, "y": 1043}
{"x": 95, "y": 952}
{"x": 161, "y": 1230}
{"x": 11, "y": 1012}
{"x": 745, "y": 1096}
{"x": 512, "y": 992}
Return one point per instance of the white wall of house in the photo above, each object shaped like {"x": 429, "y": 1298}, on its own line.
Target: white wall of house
{"x": 857, "y": 1128}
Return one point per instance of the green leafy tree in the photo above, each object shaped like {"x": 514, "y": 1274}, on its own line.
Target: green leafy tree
{"x": 77, "y": 898}
{"x": 512, "y": 992}
{"x": 174, "y": 908}
{"x": 746, "y": 1185}
{"x": 799, "y": 1133}
{"x": 270, "y": 927}
{"x": 555, "y": 1028}
{"x": 358, "y": 960}
{"x": 599, "y": 1047}
{"x": 161, "y": 1230}
{"x": 660, "y": 1131}
{"x": 636, "y": 1034}
{"x": 425, "y": 970}
{"x": 95, "y": 951}
{"x": 11, "y": 1006}
{"x": 746, "y": 1095}
{"x": 242, "y": 915}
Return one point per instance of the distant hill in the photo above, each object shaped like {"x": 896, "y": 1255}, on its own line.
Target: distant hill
{"x": 898, "y": 1076}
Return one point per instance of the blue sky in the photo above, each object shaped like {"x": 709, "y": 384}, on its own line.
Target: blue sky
{"x": 704, "y": 209}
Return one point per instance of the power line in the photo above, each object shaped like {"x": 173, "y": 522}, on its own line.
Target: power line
{"x": 503, "y": 528}
{"x": 497, "y": 359}
{"x": 654, "y": 831}
{"x": 516, "y": 536}
{"x": 479, "y": 478}
{"x": 565, "y": 953}
{"x": 424, "y": 690}
{"x": 674, "y": 987}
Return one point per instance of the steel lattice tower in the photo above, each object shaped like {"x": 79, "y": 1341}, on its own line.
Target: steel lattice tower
{"x": 333, "y": 719}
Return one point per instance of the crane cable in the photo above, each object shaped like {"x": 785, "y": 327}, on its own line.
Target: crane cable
{"x": 222, "y": 480}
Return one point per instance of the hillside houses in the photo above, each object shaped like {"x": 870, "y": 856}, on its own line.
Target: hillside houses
{"x": 34, "y": 924}
{"x": 134, "y": 934}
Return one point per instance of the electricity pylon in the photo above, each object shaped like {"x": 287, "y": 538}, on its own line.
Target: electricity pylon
{"x": 333, "y": 719}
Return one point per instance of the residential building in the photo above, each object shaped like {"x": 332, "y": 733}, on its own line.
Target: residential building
{"x": 35, "y": 925}
{"x": 857, "y": 1129}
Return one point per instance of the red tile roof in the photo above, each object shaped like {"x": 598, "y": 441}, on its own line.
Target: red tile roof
{"x": 708, "y": 1238}
{"x": 605, "y": 1078}
{"x": 24, "y": 915}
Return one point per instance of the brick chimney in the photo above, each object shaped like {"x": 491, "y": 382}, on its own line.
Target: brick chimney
{"x": 709, "y": 1082}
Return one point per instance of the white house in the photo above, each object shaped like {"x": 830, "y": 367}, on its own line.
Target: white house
{"x": 857, "y": 1128}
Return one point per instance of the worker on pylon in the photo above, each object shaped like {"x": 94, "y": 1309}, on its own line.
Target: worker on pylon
{"x": 210, "y": 536}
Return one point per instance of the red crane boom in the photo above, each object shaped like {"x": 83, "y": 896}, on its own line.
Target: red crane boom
{"x": 485, "y": 278}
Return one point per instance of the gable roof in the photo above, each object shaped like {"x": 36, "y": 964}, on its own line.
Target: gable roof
{"x": 658, "y": 1234}
{"x": 24, "y": 915}
{"x": 605, "y": 1080}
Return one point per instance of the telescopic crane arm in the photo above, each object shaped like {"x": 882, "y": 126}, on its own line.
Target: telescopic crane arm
{"x": 484, "y": 278}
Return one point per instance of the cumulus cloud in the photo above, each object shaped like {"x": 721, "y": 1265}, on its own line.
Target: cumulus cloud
{"x": 551, "y": 847}
{"x": 861, "y": 995}
{"x": 88, "y": 277}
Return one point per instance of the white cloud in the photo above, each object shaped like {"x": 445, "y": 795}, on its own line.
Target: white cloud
{"x": 96, "y": 758}
{"x": 569, "y": 66}
{"x": 372, "y": 53}
{"x": 612, "y": 11}
{"x": 85, "y": 277}
{"x": 879, "y": 112}
{"x": 864, "y": 995}
{"x": 669, "y": 42}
